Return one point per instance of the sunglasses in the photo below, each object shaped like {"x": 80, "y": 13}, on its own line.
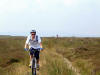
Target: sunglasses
{"x": 32, "y": 34}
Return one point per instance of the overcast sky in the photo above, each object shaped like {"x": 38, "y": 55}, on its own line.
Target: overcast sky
{"x": 50, "y": 17}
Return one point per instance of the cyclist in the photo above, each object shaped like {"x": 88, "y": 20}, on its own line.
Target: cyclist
{"x": 33, "y": 42}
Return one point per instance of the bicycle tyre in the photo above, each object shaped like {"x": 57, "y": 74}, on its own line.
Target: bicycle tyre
{"x": 33, "y": 66}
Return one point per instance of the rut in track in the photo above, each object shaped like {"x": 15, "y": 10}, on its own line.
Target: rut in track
{"x": 69, "y": 64}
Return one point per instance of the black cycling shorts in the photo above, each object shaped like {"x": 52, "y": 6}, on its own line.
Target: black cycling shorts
{"x": 36, "y": 53}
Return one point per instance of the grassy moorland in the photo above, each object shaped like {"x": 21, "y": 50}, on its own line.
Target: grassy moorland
{"x": 12, "y": 56}
{"x": 84, "y": 53}
{"x": 14, "y": 60}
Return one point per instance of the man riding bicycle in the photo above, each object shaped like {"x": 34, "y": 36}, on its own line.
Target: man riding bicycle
{"x": 33, "y": 42}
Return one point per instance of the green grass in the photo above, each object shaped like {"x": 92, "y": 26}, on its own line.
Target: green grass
{"x": 84, "y": 53}
{"x": 11, "y": 53}
{"x": 14, "y": 60}
{"x": 52, "y": 64}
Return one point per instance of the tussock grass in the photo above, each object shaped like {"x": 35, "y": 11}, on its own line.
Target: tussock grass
{"x": 11, "y": 55}
{"x": 18, "y": 69}
{"x": 14, "y": 60}
{"x": 84, "y": 53}
{"x": 54, "y": 64}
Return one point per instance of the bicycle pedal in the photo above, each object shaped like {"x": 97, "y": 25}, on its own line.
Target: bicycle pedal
{"x": 29, "y": 66}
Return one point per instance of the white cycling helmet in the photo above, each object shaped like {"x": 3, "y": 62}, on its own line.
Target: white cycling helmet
{"x": 32, "y": 31}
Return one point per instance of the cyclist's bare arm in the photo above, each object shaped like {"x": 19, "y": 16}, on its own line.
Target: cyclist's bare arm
{"x": 26, "y": 46}
{"x": 41, "y": 45}
{"x": 27, "y": 43}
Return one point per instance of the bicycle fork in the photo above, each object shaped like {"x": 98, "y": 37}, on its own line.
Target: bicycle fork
{"x": 35, "y": 63}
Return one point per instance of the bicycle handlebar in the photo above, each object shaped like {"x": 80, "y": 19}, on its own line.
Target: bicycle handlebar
{"x": 39, "y": 49}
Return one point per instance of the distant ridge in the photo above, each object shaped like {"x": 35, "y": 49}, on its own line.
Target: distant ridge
{"x": 5, "y": 35}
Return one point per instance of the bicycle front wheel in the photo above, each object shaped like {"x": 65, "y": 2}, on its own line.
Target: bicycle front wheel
{"x": 34, "y": 66}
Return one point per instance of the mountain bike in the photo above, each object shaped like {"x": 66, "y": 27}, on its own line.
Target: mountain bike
{"x": 34, "y": 62}
{"x": 34, "y": 65}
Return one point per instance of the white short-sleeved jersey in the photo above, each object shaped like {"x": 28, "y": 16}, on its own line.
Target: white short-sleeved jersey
{"x": 33, "y": 43}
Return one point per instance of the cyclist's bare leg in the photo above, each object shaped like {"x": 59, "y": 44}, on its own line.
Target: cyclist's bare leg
{"x": 37, "y": 61}
{"x": 31, "y": 56}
